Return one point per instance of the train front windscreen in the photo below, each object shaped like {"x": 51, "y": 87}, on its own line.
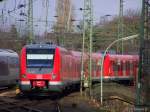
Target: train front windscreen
{"x": 40, "y": 61}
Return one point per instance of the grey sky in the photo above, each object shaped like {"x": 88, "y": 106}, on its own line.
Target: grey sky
{"x": 101, "y": 8}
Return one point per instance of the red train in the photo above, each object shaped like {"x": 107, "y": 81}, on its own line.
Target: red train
{"x": 52, "y": 68}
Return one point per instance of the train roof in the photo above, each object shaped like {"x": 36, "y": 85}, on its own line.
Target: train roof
{"x": 41, "y": 46}
{"x": 124, "y": 57}
{"x": 76, "y": 53}
{"x": 8, "y": 52}
{"x": 97, "y": 55}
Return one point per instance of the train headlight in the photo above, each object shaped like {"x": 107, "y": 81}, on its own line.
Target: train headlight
{"x": 53, "y": 76}
{"x": 23, "y": 75}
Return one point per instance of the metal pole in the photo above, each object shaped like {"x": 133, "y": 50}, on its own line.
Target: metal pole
{"x": 120, "y": 28}
{"x": 30, "y": 20}
{"x": 91, "y": 46}
{"x": 102, "y": 61}
{"x": 69, "y": 17}
{"x": 46, "y": 22}
{"x": 88, "y": 18}
{"x": 82, "y": 57}
{"x": 138, "y": 85}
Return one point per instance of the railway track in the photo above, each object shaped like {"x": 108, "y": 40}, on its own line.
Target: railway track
{"x": 67, "y": 103}
{"x": 58, "y": 107}
{"x": 70, "y": 102}
{"x": 121, "y": 91}
{"x": 11, "y": 105}
{"x": 116, "y": 97}
{"x": 3, "y": 88}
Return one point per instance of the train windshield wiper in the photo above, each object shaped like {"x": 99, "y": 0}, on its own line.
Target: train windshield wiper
{"x": 43, "y": 65}
{"x": 40, "y": 68}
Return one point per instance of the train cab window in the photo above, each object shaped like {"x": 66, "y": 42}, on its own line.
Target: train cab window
{"x": 40, "y": 60}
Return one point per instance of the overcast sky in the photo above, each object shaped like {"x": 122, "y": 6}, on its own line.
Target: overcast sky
{"x": 100, "y": 8}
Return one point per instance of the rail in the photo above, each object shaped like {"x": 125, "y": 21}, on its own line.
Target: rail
{"x": 58, "y": 108}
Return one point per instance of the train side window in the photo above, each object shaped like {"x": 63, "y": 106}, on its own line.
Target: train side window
{"x": 131, "y": 67}
{"x": 115, "y": 66}
{"x": 13, "y": 62}
{"x": 127, "y": 65}
{"x": 17, "y": 62}
{"x": 4, "y": 66}
{"x": 62, "y": 69}
{"x": 124, "y": 65}
{"x": 79, "y": 66}
{"x": 118, "y": 65}
{"x": 127, "y": 68}
{"x": 94, "y": 67}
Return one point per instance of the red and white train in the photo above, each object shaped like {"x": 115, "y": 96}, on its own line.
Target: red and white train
{"x": 52, "y": 68}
